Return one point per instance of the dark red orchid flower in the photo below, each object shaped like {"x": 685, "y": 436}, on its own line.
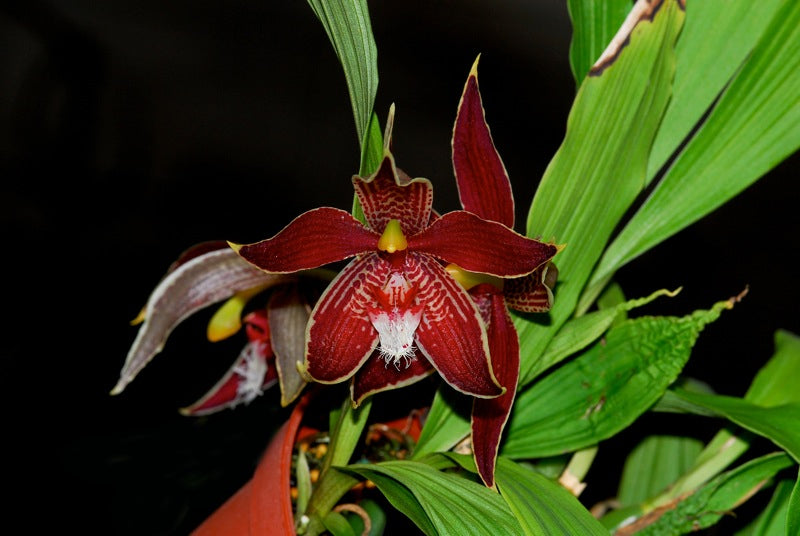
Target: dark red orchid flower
{"x": 209, "y": 273}
{"x": 394, "y": 303}
{"x": 485, "y": 190}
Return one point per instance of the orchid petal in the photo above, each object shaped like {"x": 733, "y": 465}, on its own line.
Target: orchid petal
{"x": 377, "y": 375}
{"x": 340, "y": 336}
{"x": 480, "y": 245}
{"x": 483, "y": 185}
{"x": 451, "y": 334}
{"x": 390, "y": 194}
{"x": 315, "y": 238}
{"x": 532, "y": 293}
{"x": 251, "y": 374}
{"x": 205, "y": 279}
{"x": 288, "y": 317}
{"x": 489, "y": 416}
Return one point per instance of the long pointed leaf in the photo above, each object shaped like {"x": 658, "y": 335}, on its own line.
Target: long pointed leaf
{"x": 600, "y": 167}
{"x": 755, "y": 125}
{"x": 348, "y": 27}
{"x": 593, "y": 25}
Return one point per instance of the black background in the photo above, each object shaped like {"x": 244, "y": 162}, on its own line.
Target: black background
{"x": 132, "y": 129}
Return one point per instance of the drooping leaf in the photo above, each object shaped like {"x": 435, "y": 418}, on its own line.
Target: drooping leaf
{"x": 455, "y": 506}
{"x": 605, "y": 389}
{"x": 600, "y": 167}
{"x": 708, "y": 504}
{"x": 593, "y": 25}
{"x": 541, "y": 506}
{"x": 772, "y": 520}
{"x": 577, "y": 334}
{"x": 777, "y": 423}
{"x": 653, "y": 464}
{"x": 753, "y": 127}
{"x": 348, "y": 27}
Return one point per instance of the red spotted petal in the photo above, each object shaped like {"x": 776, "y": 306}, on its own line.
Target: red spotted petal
{"x": 315, "y": 238}
{"x": 483, "y": 185}
{"x": 451, "y": 333}
{"x": 378, "y": 375}
{"x": 251, "y": 374}
{"x": 489, "y": 416}
{"x": 288, "y": 318}
{"x": 195, "y": 283}
{"x": 340, "y": 336}
{"x": 480, "y": 245}
{"x": 390, "y": 194}
{"x": 532, "y": 293}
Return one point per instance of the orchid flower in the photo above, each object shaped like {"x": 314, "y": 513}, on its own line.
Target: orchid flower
{"x": 485, "y": 190}
{"x": 209, "y": 273}
{"x": 394, "y": 303}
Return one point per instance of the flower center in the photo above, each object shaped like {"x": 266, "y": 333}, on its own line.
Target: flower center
{"x": 392, "y": 238}
{"x": 396, "y": 319}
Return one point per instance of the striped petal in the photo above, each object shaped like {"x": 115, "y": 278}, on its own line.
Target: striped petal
{"x": 390, "y": 194}
{"x": 315, "y": 238}
{"x": 340, "y": 336}
{"x": 532, "y": 293}
{"x": 480, "y": 245}
{"x": 483, "y": 185}
{"x": 193, "y": 284}
{"x": 251, "y": 374}
{"x": 378, "y": 375}
{"x": 489, "y": 416}
{"x": 451, "y": 334}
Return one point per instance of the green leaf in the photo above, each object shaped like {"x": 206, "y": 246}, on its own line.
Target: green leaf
{"x": 346, "y": 432}
{"x": 777, "y": 423}
{"x": 604, "y": 390}
{"x": 776, "y": 382}
{"x": 599, "y": 170}
{"x": 376, "y": 515}
{"x": 753, "y": 127}
{"x": 653, "y": 464}
{"x": 303, "y": 479}
{"x": 576, "y": 334}
{"x": 793, "y": 516}
{"x": 337, "y": 524}
{"x": 772, "y": 520}
{"x": 541, "y": 506}
{"x": 348, "y": 27}
{"x": 403, "y": 499}
{"x": 593, "y": 25}
{"x": 453, "y": 504}
{"x": 707, "y": 60}
{"x": 709, "y": 503}
{"x": 371, "y": 155}
{"x": 447, "y": 423}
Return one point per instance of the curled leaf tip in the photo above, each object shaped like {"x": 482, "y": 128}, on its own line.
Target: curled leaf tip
{"x": 121, "y": 384}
